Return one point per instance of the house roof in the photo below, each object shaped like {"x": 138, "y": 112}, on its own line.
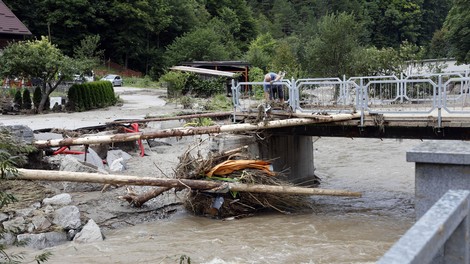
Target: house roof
{"x": 9, "y": 23}
{"x": 203, "y": 71}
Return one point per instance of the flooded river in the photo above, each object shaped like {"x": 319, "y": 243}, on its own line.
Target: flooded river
{"x": 338, "y": 230}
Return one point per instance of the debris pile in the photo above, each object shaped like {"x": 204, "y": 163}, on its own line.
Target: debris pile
{"x": 234, "y": 167}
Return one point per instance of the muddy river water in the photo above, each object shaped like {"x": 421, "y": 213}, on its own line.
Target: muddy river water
{"x": 337, "y": 230}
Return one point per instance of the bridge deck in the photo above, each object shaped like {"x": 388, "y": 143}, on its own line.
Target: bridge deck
{"x": 383, "y": 126}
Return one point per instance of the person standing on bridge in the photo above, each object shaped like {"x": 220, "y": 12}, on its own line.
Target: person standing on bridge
{"x": 270, "y": 89}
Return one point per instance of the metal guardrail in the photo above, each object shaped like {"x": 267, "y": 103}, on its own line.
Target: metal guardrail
{"x": 416, "y": 94}
{"x": 440, "y": 236}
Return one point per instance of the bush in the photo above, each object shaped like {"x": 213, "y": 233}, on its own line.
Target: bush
{"x": 174, "y": 82}
{"x": 18, "y": 99}
{"x": 204, "y": 88}
{"x": 37, "y": 96}
{"x": 219, "y": 102}
{"x": 27, "y": 103}
{"x": 90, "y": 95}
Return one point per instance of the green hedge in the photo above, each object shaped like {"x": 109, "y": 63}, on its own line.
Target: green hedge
{"x": 178, "y": 83}
{"x": 90, "y": 95}
{"x": 27, "y": 103}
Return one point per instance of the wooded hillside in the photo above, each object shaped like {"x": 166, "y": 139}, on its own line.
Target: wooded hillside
{"x": 314, "y": 37}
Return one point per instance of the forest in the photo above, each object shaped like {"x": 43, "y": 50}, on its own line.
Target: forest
{"x": 314, "y": 38}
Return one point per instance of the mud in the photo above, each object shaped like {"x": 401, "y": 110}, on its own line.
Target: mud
{"x": 105, "y": 207}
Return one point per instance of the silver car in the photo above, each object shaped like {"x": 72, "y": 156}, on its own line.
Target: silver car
{"x": 116, "y": 80}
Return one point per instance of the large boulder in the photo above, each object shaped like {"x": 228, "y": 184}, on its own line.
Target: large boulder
{"x": 117, "y": 160}
{"x": 21, "y": 133}
{"x": 91, "y": 232}
{"x": 91, "y": 158}
{"x": 7, "y": 239}
{"x": 4, "y": 217}
{"x": 43, "y": 240}
{"x": 16, "y": 225}
{"x": 67, "y": 217}
{"x": 40, "y": 222}
{"x": 60, "y": 199}
{"x": 70, "y": 163}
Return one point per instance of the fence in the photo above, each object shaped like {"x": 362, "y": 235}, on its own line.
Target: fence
{"x": 440, "y": 235}
{"x": 416, "y": 94}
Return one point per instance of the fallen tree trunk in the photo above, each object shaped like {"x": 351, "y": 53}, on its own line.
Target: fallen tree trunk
{"x": 43, "y": 175}
{"x": 138, "y": 200}
{"x": 221, "y": 114}
{"x": 180, "y": 132}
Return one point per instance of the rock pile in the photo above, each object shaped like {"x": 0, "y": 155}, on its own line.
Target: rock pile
{"x": 48, "y": 223}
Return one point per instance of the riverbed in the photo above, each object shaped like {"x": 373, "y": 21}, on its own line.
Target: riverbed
{"x": 337, "y": 230}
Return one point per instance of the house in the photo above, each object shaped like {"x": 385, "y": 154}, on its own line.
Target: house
{"x": 446, "y": 66}
{"x": 11, "y": 28}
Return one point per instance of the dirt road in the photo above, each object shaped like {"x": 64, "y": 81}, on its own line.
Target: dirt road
{"x": 135, "y": 103}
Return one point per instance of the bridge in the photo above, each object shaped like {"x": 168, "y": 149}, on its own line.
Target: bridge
{"x": 431, "y": 106}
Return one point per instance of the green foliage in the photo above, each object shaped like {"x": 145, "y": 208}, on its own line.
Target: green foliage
{"x": 39, "y": 59}
{"x": 44, "y": 257}
{"x": 27, "y": 103}
{"x": 145, "y": 82}
{"x": 330, "y": 52}
{"x": 373, "y": 62}
{"x": 458, "y": 31}
{"x": 257, "y": 75}
{"x": 392, "y": 22}
{"x": 200, "y": 44}
{"x": 219, "y": 102}
{"x": 439, "y": 46}
{"x": 164, "y": 33}
{"x": 200, "y": 122}
{"x": 37, "y": 97}
{"x": 287, "y": 57}
{"x": 86, "y": 96}
{"x": 174, "y": 82}
{"x": 18, "y": 100}
{"x": 261, "y": 51}
{"x": 187, "y": 102}
{"x": 199, "y": 87}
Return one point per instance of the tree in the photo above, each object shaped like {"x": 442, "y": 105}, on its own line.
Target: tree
{"x": 457, "y": 24}
{"x": 283, "y": 18}
{"x": 286, "y": 57}
{"x": 329, "y": 53}
{"x": 439, "y": 46}
{"x": 27, "y": 103}
{"x": 200, "y": 44}
{"x": 390, "y": 22}
{"x": 38, "y": 59}
{"x": 261, "y": 51}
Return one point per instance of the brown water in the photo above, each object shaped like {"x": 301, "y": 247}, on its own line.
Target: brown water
{"x": 338, "y": 230}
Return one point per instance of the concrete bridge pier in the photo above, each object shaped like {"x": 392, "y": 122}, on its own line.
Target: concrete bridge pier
{"x": 290, "y": 154}
{"x": 439, "y": 166}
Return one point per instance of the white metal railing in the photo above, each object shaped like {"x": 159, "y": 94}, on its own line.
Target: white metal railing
{"x": 416, "y": 94}
{"x": 439, "y": 236}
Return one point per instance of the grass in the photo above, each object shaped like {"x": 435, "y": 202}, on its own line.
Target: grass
{"x": 144, "y": 82}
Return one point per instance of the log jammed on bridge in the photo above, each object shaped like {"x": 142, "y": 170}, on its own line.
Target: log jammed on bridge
{"x": 180, "y": 132}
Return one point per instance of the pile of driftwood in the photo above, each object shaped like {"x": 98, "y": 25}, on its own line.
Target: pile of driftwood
{"x": 235, "y": 167}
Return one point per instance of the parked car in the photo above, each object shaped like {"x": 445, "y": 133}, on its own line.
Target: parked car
{"x": 116, "y": 80}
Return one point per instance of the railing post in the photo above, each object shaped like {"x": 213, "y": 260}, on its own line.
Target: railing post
{"x": 234, "y": 99}
{"x": 293, "y": 95}
{"x": 401, "y": 89}
{"x": 441, "y": 96}
{"x": 362, "y": 100}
